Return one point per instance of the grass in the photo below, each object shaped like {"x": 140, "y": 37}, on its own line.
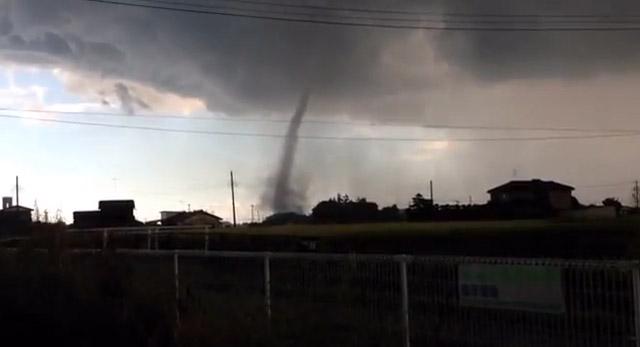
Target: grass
{"x": 613, "y": 238}
{"x": 402, "y": 229}
{"x": 598, "y": 239}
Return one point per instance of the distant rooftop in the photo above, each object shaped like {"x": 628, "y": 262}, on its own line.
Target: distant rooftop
{"x": 16, "y": 208}
{"x": 129, "y": 204}
{"x": 535, "y": 184}
{"x": 181, "y": 216}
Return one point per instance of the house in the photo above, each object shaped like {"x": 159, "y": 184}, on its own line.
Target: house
{"x": 15, "y": 216}
{"x": 533, "y": 198}
{"x": 110, "y": 213}
{"x": 199, "y": 217}
{"x": 118, "y": 212}
{"x": 86, "y": 219}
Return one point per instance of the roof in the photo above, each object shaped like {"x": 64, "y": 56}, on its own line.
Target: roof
{"x": 16, "y": 208}
{"x": 534, "y": 184}
{"x": 80, "y": 213}
{"x": 129, "y": 204}
{"x": 181, "y": 216}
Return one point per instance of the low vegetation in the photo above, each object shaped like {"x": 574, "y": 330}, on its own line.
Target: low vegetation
{"x": 612, "y": 239}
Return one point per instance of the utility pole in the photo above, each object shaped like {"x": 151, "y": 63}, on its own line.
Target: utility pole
{"x": 431, "y": 190}
{"x": 636, "y": 195}
{"x": 36, "y": 211}
{"x": 17, "y": 192}
{"x": 233, "y": 200}
{"x": 252, "y": 220}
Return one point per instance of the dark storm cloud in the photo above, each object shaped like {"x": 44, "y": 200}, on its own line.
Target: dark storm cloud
{"x": 6, "y": 26}
{"x": 72, "y": 50}
{"x": 550, "y": 54}
{"x": 241, "y": 65}
{"x": 48, "y": 43}
{"x": 235, "y": 65}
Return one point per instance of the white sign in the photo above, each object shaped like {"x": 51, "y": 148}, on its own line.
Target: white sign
{"x": 515, "y": 287}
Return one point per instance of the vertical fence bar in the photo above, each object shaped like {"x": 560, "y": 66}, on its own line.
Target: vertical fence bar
{"x": 105, "y": 238}
{"x": 176, "y": 276}
{"x": 636, "y": 304}
{"x": 267, "y": 286}
{"x": 156, "y": 234}
{"x": 405, "y": 302}
{"x": 149, "y": 239}
{"x": 206, "y": 242}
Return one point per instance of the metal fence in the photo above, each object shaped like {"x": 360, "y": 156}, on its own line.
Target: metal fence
{"x": 247, "y": 298}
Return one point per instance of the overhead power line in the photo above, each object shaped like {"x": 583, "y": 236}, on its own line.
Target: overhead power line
{"x": 328, "y": 138}
{"x": 415, "y": 12}
{"x": 395, "y": 18}
{"x": 284, "y": 18}
{"x": 382, "y": 122}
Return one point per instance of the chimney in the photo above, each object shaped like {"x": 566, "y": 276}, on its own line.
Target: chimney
{"x": 7, "y": 202}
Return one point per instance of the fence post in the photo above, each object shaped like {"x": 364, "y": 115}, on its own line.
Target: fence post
{"x": 157, "y": 243}
{"x": 105, "y": 238}
{"x": 206, "y": 242}
{"x": 267, "y": 286}
{"x": 148, "y": 239}
{"x": 405, "y": 301}
{"x": 176, "y": 275}
{"x": 636, "y": 304}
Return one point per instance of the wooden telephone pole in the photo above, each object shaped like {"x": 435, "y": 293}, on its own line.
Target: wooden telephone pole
{"x": 636, "y": 195}
{"x": 233, "y": 200}
{"x": 431, "y": 190}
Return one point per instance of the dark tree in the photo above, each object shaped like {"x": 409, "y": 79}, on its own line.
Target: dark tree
{"x": 344, "y": 210}
{"x": 613, "y": 202}
{"x": 420, "y": 209}
{"x": 390, "y": 214}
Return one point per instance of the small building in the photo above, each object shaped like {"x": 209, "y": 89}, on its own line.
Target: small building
{"x": 7, "y": 202}
{"x": 15, "y": 216}
{"x": 533, "y": 198}
{"x": 200, "y": 218}
{"x": 111, "y": 213}
{"x": 118, "y": 212}
{"x": 86, "y": 219}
